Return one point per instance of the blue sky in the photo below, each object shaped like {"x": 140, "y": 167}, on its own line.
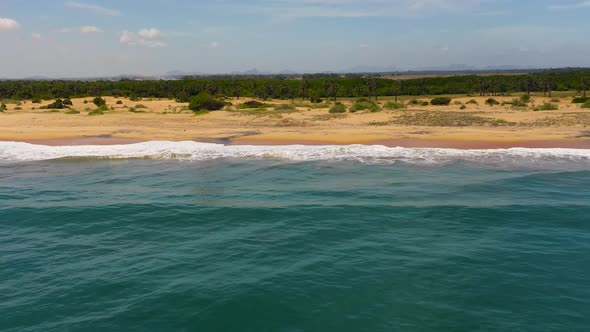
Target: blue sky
{"x": 111, "y": 37}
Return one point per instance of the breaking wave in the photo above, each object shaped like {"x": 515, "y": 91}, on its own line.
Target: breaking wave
{"x": 189, "y": 150}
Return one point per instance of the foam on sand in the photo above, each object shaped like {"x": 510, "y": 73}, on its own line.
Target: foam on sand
{"x": 189, "y": 150}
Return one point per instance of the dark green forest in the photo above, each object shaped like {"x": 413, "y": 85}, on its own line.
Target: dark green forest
{"x": 313, "y": 87}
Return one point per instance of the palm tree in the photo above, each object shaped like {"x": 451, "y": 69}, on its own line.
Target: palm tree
{"x": 372, "y": 87}
{"x": 584, "y": 86}
{"x": 547, "y": 87}
{"x": 396, "y": 88}
{"x": 334, "y": 90}
{"x": 326, "y": 87}
{"x": 305, "y": 85}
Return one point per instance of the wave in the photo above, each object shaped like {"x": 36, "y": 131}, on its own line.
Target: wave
{"x": 189, "y": 150}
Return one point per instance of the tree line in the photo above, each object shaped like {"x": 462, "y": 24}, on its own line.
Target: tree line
{"x": 308, "y": 87}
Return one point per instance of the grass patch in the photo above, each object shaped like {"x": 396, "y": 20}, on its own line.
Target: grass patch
{"x": 555, "y": 100}
{"x": 201, "y": 112}
{"x": 547, "y": 107}
{"x": 447, "y": 119}
{"x": 585, "y": 105}
{"x": 284, "y": 107}
{"x": 391, "y": 105}
{"x": 566, "y": 119}
{"x": 580, "y": 100}
{"x": 327, "y": 117}
{"x": 140, "y": 106}
{"x": 72, "y": 111}
{"x": 95, "y": 112}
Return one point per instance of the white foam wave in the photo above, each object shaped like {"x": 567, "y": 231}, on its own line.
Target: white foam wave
{"x": 16, "y": 151}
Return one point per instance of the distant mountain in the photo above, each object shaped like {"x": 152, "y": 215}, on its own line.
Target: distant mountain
{"x": 369, "y": 69}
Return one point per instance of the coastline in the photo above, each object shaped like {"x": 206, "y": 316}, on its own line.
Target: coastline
{"x": 275, "y": 141}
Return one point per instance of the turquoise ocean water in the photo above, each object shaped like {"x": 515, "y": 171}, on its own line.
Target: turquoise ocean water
{"x": 200, "y": 237}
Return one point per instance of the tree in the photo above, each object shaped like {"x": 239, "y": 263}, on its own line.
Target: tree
{"x": 372, "y": 87}
{"x": 204, "y": 101}
{"x": 529, "y": 84}
{"x": 584, "y": 86}
{"x": 333, "y": 90}
{"x": 396, "y": 88}
{"x": 547, "y": 85}
{"x": 305, "y": 85}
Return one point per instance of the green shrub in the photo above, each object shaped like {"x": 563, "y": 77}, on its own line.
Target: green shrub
{"x": 119, "y": 102}
{"x": 97, "y": 111}
{"x": 140, "y": 106}
{"x": 18, "y": 108}
{"x": 201, "y": 112}
{"x": 525, "y": 99}
{"x": 457, "y": 102}
{"x": 585, "y": 105}
{"x": 547, "y": 107}
{"x": 555, "y": 100}
{"x": 441, "y": 101}
{"x": 424, "y": 103}
{"x": 338, "y": 108}
{"x": 36, "y": 100}
{"x": 414, "y": 102}
{"x": 580, "y": 100}
{"x": 3, "y": 107}
{"x": 104, "y": 108}
{"x": 518, "y": 102}
{"x": 492, "y": 102}
{"x": 68, "y": 102}
{"x": 391, "y": 105}
{"x": 205, "y": 101}
{"x": 463, "y": 107}
{"x": 284, "y": 107}
{"x": 365, "y": 105}
{"x": 252, "y": 104}
{"x": 315, "y": 99}
{"x": 472, "y": 101}
{"x": 85, "y": 101}
{"x": 72, "y": 111}
{"x": 98, "y": 101}
{"x": 58, "y": 104}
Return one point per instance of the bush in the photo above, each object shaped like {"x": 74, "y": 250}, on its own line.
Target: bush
{"x": 284, "y": 107}
{"x": 18, "y": 108}
{"x": 85, "y": 101}
{"x": 518, "y": 103}
{"x": 424, "y": 103}
{"x": 98, "y": 101}
{"x": 555, "y": 100}
{"x": 580, "y": 100}
{"x": 585, "y": 105}
{"x": 68, "y": 102}
{"x": 3, "y": 107}
{"x": 414, "y": 102}
{"x": 457, "y": 102}
{"x": 338, "y": 108}
{"x": 97, "y": 111}
{"x": 525, "y": 99}
{"x": 441, "y": 101}
{"x": 58, "y": 104}
{"x": 364, "y": 104}
{"x": 463, "y": 107}
{"x": 315, "y": 99}
{"x": 119, "y": 102}
{"x": 140, "y": 106}
{"x": 547, "y": 107}
{"x": 391, "y": 105}
{"x": 73, "y": 112}
{"x": 492, "y": 102}
{"x": 205, "y": 101}
{"x": 36, "y": 100}
{"x": 201, "y": 112}
{"x": 472, "y": 101}
{"x": 252, "y": 104}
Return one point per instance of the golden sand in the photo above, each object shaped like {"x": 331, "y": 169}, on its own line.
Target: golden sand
{"x": 169, "y": 120}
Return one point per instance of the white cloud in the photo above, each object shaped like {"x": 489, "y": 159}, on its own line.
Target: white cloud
{"x": 152, "y": 33}
{"x": 583, "y": 4}
{"x": 8, "y": 24}
{"x": 214, "y": 45}
{"x": 145, "y": 37}
{"x": 90, "y": 29}
{"x": 99, "y": 10}
{"x": 36, "y": 35}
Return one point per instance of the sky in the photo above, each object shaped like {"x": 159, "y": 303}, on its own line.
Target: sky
{"x": 83, "y": 38}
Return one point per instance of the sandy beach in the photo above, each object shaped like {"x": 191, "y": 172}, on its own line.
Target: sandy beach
{"x": 476, "y": 126}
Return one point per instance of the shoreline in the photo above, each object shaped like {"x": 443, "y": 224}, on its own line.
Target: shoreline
{"x": 261, "y": 141}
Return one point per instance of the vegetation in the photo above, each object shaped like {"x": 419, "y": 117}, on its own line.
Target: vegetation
{"x": 585, "y": 105}
{"x": 492, "y": 102}
{"x": 391, "y": 105}
{"x": 547, "y": 107}
{"x": 201, "y": 112}
{"x": 338, "y": 108}
{"x": 252, "y": 104}
{"x": 119, "y": 102}
{"x": 580, "y": 100}
{"x": 140, "y": 106}
{"x": 447, "y": 119}
{"x": 98, "y": 101}
{"x": 324, "y": 86}
{"x": 441, "y": 101}
{"x": 363, "y": 104}
{"x": 204, "y": 101}
{"x": 97, "y": 111}
{"x": 3, "y": 107}
{"x": 56, "y": 105}
{"x": 72, "y": 111}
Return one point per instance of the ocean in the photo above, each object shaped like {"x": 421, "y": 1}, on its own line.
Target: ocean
{"x": 185, "y": 236}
